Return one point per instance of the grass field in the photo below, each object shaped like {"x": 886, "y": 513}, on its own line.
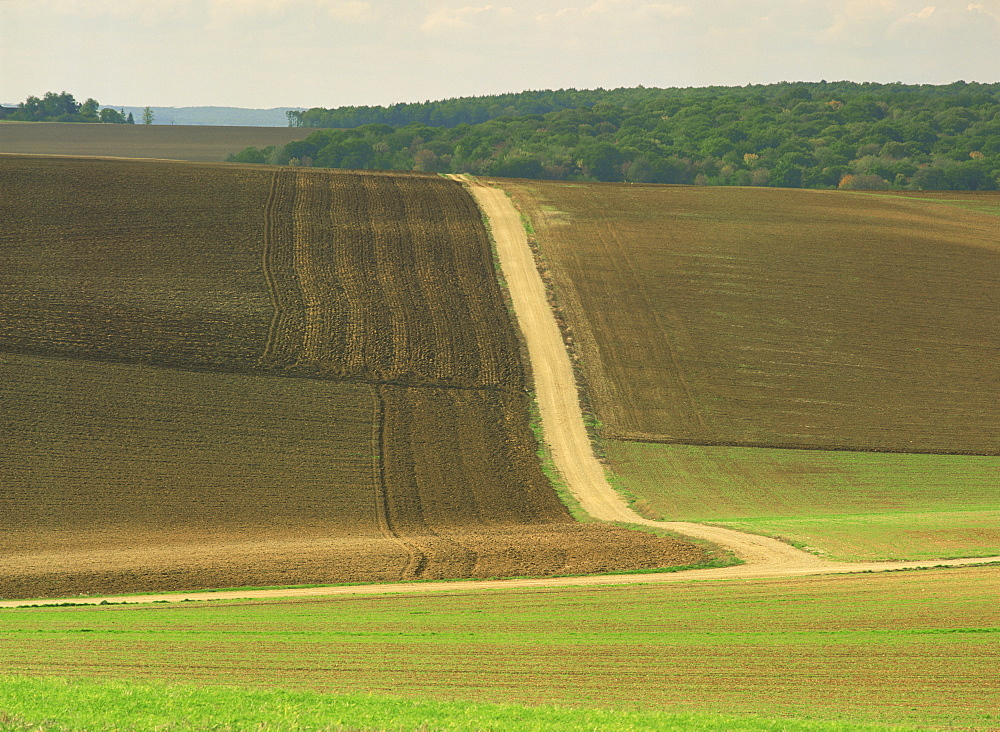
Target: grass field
{"x": 916, "y": 648}
{"x": 44, "y": 704}
{"x": 192, "y": 143}
{"x": 222, "y": 375}
{"x": 849, "y": 505}
{"x": 779, "y": 318}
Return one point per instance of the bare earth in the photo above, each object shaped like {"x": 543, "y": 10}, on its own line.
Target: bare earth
{"x": 570, "y": 448}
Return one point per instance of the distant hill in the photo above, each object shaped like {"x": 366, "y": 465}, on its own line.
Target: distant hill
{"x": 214, "y": 116}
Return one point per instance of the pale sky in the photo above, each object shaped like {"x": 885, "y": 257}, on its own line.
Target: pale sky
{"x": 305, "y": 53}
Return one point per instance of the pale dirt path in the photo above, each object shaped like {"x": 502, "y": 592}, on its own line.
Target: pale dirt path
{"x": 555, "y": 389}
{"x": 564, "y": 431}
{"x": 742, "y": 572}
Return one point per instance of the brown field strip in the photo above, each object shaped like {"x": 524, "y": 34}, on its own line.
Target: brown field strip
{"x": 133, "y": 261}
{"x": 194, "y": 143}
{"x": 777, "y": 317}
{"x": 222, "y": 376}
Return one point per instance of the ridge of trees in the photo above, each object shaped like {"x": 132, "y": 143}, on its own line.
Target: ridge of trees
{"x": 463, "y": 110}
{"x": 801, "y": 134}
{"x": 63, "y": 107}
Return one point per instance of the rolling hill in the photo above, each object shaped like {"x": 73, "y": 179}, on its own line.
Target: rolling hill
{"x": 220, "y": 375}
{"x": 819, "y": 366}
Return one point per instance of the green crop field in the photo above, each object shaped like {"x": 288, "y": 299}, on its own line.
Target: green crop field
{"x": 44, "y": 704}
{"x": 215, "y": 375}
{"x": 917, "y": 648}
{"x": 779, "y": 318}
{"x": 849, "y": 505}
{"x": 208, "y": 144}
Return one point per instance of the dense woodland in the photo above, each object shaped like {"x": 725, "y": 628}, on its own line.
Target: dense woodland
{"x": 815, "y": 135}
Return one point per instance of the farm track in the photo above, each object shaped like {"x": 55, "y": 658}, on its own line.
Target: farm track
{"x": 742, "y": 572}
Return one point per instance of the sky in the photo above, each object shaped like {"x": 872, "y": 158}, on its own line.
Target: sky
{"x": 328, "y": 53}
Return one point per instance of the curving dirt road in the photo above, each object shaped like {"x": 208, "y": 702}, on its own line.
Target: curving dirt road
{"x": 566, "y": 436}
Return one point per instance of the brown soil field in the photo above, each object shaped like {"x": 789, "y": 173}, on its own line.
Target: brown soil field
{"x": 778, "y": 318}
{"x": 193, "y": 143}
{"x": 317, "y": 273}
{"x": 217, "y": 376}
{"x": 133, "y": 261}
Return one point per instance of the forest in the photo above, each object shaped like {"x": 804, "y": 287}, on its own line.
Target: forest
{"x": 794, "y": 135}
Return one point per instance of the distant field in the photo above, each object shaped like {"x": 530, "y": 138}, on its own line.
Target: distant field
{"x": 779, "y": 318}
{"x": 979, "y": 201}
{"x": 192, "y": 143}
{"x": 851, "y": 505}
{"x": 916, "y": 648}
{"x": 215, "y": 376}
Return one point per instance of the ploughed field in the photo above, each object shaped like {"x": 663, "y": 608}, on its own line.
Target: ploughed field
{"x": 779, "y": 318}
{"x": 221, "y": 375}
{"x": 821, "y": 366}
{"x": 195, "y": 143}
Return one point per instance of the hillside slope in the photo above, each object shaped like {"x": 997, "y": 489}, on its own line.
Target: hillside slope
{"x": 779, "y": 318}
{"x": 716, "y": 328}
{"x": 227, "y": 376}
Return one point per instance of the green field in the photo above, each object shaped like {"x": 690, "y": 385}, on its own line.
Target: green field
{"x": 53, "y": 704}
{"x": 217, "y": 375}
{"x": 848, "y": 505}
{"x": 915, "y": 648}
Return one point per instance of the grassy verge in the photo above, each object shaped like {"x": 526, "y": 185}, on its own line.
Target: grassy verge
{"x": 849, "y": 505}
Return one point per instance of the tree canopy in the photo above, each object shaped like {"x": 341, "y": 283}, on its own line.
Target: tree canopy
{"x": 63, "y": 107}
{"x": 803, "y": 134}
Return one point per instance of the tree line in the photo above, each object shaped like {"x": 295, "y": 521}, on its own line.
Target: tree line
{"x": 461, "y": 110}
{"x": 804, "y": 134}
{"x": 63, "y": 107}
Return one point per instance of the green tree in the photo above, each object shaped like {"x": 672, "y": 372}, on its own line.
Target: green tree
{"x": 89, "y": 110}
{"x": 147, "y": 115}
{"x": 111, "y": 116}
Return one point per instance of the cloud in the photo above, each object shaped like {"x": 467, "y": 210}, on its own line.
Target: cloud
{"x": 347, "y": 9}
{"x": 667, "y": 10}
{"x": 452, "y": 19}
{"x": 616, "y": 11}
{"x": 948, "y": 26}
{"x": 222, "y": 10}
{"x": 147, "y": 12}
